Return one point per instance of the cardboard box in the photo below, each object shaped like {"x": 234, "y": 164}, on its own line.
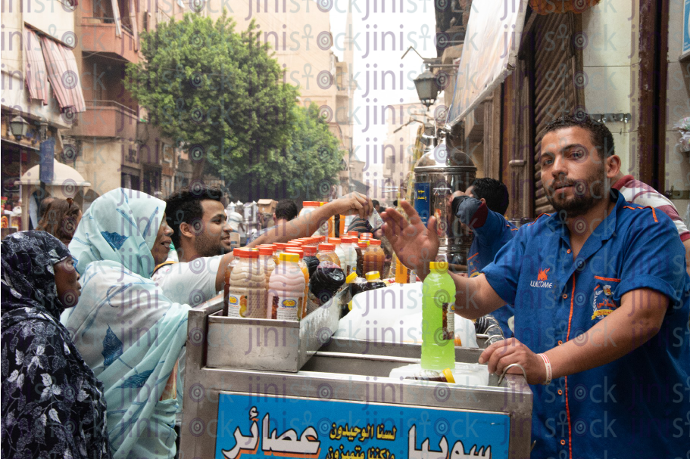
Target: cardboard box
{"x": 267, "y": 206}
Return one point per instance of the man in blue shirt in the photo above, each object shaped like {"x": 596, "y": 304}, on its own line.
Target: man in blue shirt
{"x": 481, "y": 209}
{"x": 601, "y": 302}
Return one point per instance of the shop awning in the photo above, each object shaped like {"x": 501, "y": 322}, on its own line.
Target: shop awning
{"x": 489, "y": 52}
{"x": 35, "y": 68}
{"x": 63, "y": 74}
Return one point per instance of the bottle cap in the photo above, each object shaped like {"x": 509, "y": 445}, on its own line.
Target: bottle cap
{"x": 326, "y": 247}
{"x": 351, "y": 277}
{"x": 372, "y": 275}
{"x": 353, "y": 234}
{"x": 295, "y": 242}
{"x": 271, "y": 246}
{"x": 246, "y": 253}
{"x": 366, "y": 236}
{"x": 334, "y": 240}
{"x": 280, "y": 245}
{"x": 311, "y": 203}
{"x": 238, "y": 251}
{"x": 299, "y": 252}
{"x": 449, "y": 375}
{"x": 309, "y": 250}
{"x": 348, "y": 239}
{"x": 285, "y": 256}
{"x": 266, "y": 251}
{"x": 438, "y": 266}
{"x": 321, "y": 239}
{"x": 375, "y": 242}
{"x": 363, "y": 244}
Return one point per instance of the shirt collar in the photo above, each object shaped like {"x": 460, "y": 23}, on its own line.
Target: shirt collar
{"x": 604, "y": 230}
{"x": 622, "y": 182}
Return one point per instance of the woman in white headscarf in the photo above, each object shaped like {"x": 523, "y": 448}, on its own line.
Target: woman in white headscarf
{"x": 128, "y": 332}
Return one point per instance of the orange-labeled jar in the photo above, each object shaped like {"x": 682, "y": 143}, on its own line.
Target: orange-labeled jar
{"x": 374, "y": 257}
{"x": 326, "y": 252}
{"x": 247, "y": 292}
{"x": 359, "y": 249}
{"x": 305, "y": 271}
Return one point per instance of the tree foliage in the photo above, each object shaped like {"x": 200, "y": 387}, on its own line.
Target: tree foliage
{"x": 220, "y": 96}
{"x": 305, "y": 170}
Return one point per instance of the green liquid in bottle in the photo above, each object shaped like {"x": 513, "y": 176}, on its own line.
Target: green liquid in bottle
{"x": 438, "y": 306}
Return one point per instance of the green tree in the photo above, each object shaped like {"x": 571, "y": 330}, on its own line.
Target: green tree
{"x": 305, "y": 170}
{"x": 217, "y": 93}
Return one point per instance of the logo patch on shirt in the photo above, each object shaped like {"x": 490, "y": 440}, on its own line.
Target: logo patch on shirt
{"x": 542, "y": 279}
{"x": 603, "y": 303}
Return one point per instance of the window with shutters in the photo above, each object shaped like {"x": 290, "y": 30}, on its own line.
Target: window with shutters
{"x": 558, "y": 83}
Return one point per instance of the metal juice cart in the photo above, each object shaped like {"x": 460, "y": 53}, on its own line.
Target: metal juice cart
{"x": 257, "y": 388}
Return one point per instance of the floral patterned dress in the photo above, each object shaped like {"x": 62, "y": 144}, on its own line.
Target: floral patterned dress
{"x": 52, "y": 404}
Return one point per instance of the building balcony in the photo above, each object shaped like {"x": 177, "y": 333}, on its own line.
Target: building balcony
{"x": 98, "y": 36}
{"x": 106, "y": 118}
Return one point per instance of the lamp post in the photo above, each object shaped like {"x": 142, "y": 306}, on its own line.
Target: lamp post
{"x": 427, "y": 88}
{"x": 19, "y": 127}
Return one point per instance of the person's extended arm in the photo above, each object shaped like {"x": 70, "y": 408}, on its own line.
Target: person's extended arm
{"x": 306, "y": 225}
{"x": 474, "y": 296}
{"x": 417, "y": 245}
{"x": 634, "y": 323}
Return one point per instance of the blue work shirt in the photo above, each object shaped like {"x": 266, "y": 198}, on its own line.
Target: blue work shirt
{"x": 639, "y": 405}
{"x": 491, "y": 232}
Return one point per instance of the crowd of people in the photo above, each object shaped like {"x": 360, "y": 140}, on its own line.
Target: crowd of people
{"x": 94, "y": 311}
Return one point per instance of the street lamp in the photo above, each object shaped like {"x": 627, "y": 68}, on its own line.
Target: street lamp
{"x": 19, "y": 127}
{"x": 427, "y": 88}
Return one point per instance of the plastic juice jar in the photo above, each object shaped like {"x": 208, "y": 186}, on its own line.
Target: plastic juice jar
{"x": 247, "y": 293}
{"x": 350, "y": 260}
{"x": 339, "y": 251}
{"x": 438, "y": 321}
{"x": 308, "y": 207}
{"x": 280, "y": 248}
{"x": 286, "y": 290}
{"x": 359, "y": 250}
{"x": 373, "y": 281}
{"x": 228, "y": 273}
{"x": 402, "y": 274}
{"x": 326, "y": 252}
{"x": 273, "y": 251}
{"x": 266, "y": 260}
{"x": 310, "y": 258}
{"x": 327, "y": 228}
{"x": 374, "y": 257}
{"x": 305, "y": 270}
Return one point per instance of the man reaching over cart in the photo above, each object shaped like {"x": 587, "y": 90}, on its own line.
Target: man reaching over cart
{"x": 601, "y": 302}
{"x": 202, "y": 238}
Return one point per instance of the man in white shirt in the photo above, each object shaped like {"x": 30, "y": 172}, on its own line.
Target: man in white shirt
{"x": 202, "y": 239}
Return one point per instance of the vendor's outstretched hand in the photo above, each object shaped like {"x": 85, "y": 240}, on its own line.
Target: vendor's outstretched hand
{"x": 353, "y": 204}
{"x": 502, "y": 353}
{"x": 413, "y": 243}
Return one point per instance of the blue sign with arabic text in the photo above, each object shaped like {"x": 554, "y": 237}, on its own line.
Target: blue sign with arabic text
{"x": 251, "y": 426}
{"x": 422, "y": 200}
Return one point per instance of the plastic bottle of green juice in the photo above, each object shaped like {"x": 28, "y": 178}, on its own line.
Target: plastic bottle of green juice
{"x": 438, "y": 325}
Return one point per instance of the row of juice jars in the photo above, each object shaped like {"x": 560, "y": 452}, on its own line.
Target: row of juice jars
{"x": 248, "y": 283}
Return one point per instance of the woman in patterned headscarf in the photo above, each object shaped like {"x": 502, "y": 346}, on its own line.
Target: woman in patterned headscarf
{"x": 129, "y": 333}
{"x": 52, "y": 404}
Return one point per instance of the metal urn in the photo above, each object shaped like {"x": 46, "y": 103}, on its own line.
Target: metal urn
{"x": 439, "y": 173}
